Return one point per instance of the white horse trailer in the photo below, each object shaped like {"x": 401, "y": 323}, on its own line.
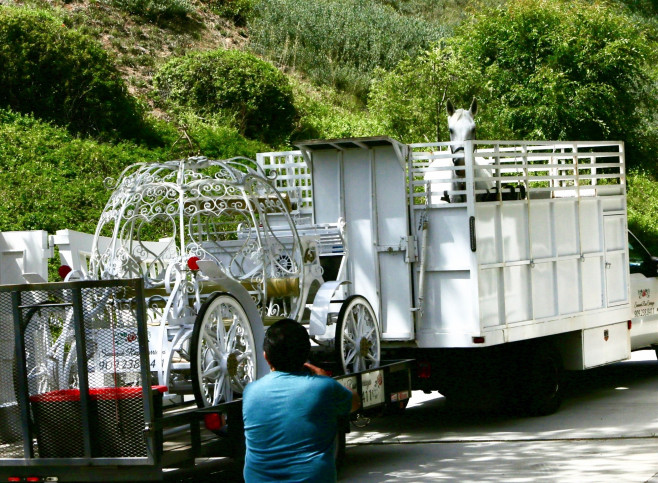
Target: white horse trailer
{"x": 494, "y": 294}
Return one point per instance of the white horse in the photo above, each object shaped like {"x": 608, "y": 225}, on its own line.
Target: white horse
{"x": 461, "y": 124}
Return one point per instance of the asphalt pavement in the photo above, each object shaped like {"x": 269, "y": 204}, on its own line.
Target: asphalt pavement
{"x": 605, "y": 431}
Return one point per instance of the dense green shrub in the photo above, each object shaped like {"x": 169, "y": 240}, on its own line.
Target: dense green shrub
{"x": 218, "y": 141}
{"x": 643, "y": 208}
{"x": 62, "y": 76}
{"x": 409, "y": 102}
{"x": 541, "y": 69}
{"x": 337, "y": 42}
{"x": 250, "y": 92}
{"x": 53, "y": 179}
{"x": 155, "y": 9}
{"x": 445, "y": 12}
{"x": 326, "y": 114}
{"x": 561, "y": 70}
{"x": 238, "y": 11}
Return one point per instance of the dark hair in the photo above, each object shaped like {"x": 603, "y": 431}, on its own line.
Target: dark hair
{"x": 287, "y": 345}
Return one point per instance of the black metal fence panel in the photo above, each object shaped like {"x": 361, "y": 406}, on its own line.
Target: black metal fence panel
{"x": 74, "y": 373}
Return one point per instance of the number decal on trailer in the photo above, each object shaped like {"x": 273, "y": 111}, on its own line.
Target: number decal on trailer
{"x": 643, "y": 305}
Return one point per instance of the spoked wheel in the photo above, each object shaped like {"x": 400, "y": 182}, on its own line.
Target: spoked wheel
{"x": 358, "y": 341}
{"x": 223, "y": 351}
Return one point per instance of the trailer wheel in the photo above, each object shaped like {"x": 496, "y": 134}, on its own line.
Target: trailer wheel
{"x": 223, "y": 352}
{"x": 358, "y": 340}
{"x": 543, "y": 391}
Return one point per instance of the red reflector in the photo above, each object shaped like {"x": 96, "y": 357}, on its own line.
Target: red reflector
{"x": 13, "y": 478}
{"x": 478, "y": 340}
{"x": 63, "y": 271}
{"x": 630, "y": 324}
{"x": 191, "y": 262}
{"x": 214, "y": 421}
{"x": 424, "y": 370}
{"x": 32, "y": 478}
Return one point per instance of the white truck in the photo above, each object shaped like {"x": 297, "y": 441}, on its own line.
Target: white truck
{"x": 494, "y": 276}
{"x": 494, "y": 295}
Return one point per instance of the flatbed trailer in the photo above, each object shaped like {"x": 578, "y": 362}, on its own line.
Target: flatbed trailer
{"x": 91, "y": 425}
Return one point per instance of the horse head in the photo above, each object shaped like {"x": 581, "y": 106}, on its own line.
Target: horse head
{"x": 461, "y": 124}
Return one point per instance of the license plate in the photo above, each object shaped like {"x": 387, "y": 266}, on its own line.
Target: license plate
{"x": 372, "y": 388}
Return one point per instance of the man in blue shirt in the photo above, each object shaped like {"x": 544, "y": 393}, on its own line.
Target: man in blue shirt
{"x": 291, "y": 414}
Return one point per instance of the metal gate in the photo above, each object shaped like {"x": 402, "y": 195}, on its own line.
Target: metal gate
{"x": 75, "y": 380}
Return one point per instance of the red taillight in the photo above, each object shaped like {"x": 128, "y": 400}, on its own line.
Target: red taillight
{"x": 192, "y": 263}
{"x": 629, "y": 324}
{"x": 214, "y": 421}
{"x": 13, "y": 478}
{"x": 478, "y": 339}
{"x": 424, "y": 370}
{"x": 64, "y": 270}
{"x": 33, "y": 478}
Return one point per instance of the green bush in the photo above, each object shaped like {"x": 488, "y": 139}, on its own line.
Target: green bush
{"x": 337, "y": 42}
{"x": 252, "y": 94}
{"x": 409, "y": 101}
{"x": 238, "y": 11}
{"x": 642, "y": 196}
{"x": 540, "y": 69}
{"x": 155, "y": 9}
{"x": 217, "y": 141}
{"x": 326, "y": 114}
{"x": 62, "y": 76}
{"x": 561, "y": 70}
{"x": 53, "y": 179}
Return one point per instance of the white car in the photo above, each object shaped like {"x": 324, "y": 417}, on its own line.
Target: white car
{"x": 644, "y": 295}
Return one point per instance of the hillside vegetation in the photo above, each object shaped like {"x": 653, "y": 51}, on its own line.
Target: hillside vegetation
{"x": 88, "y": 87}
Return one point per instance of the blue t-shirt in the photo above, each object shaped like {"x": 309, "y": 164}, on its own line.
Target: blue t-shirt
{"x": 290, "y": 423}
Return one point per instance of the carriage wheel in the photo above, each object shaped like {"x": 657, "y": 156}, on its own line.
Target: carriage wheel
{"x": 358, "y": 341}
{"x": 223, "y": 351}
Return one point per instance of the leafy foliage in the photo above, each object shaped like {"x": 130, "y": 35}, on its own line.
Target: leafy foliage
{"x": 252, "y": 93}
{"x": 327, "y": 114}
{"x": 445, "y": 12}
{"x": 408, "y": 102}
{"x": 337, "y": 42}
{"x": 238, "y": 11}
{"x": 558, "y": 70}
{"x": 62, "y": 76}
{"x": 218, "y": 141}
{"x": 155, "y": 9}
{"x": 643, "y": 208}
{"x": 54, "y": 180}
{"x": 543, "y": 70}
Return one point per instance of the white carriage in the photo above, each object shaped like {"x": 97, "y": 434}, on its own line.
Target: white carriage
{"x": 221, "y": 257}
{"x": 535, "y": 249}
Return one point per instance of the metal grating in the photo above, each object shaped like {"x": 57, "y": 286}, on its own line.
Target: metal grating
{"x": 292, "y": 178}
{"x": 80, "y": 369}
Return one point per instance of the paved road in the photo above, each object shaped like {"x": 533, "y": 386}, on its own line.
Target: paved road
{"x": 606, "y": 431}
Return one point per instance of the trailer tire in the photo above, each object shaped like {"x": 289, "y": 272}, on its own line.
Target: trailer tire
{"x": 542, "y": 391}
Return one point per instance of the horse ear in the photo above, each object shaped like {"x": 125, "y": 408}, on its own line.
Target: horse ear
{"x": 474, "y": 107}
{"x": 450, "y": 108}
